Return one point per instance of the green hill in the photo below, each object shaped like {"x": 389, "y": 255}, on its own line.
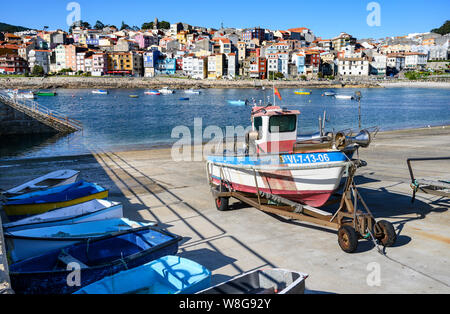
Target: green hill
{"x": 444, "y": 29}
{"x": 7, "y": 28}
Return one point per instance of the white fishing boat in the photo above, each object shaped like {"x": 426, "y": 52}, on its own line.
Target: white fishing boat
{"x": 275, "y": 162}
{"x": 166, "y": 91}
{"x": 89, "y": 211}
{"x": 27, "y": 243}
{"x": 192, "y": 91}
{"x": 53, "y": 179}
{"x": 100, "y": 92}
{"x": 345, "y": 97}
{"x": 21, "y": 95}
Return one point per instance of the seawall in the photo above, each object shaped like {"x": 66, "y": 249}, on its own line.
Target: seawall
{"x": 13, "y": 122}
{"x": 178, "y": 83}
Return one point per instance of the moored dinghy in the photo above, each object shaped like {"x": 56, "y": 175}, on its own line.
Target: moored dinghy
{"x": 167, "y": 275}
{"x": 52, "y": 179}
{"x": 43, "y": 201}
{"x": 27, "y": 243}
{"x": 89, "y": 211}
{"x": 238, "y": 102}
{"x": 97, "y": 258}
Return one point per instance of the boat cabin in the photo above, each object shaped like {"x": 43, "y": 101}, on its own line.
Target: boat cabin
{"x": 274, "y": 129}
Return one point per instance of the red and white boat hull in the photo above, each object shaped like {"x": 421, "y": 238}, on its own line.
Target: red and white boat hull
{"x": 309, "y": 183}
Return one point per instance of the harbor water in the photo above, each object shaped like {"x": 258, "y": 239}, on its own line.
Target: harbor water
{"x": 117, "y": 122}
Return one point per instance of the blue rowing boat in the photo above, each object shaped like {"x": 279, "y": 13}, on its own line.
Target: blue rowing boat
{"x": 67, "y": 270}
{"x": 167, "y": 275}
{"x": 58, "y": 197}
{"x": 24, "y": 244}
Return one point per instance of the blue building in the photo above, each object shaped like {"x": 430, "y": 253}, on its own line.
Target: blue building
{"x": 300, "y": 60}
{"x": 166, "y": 66}
{"x": 151, "y": 57}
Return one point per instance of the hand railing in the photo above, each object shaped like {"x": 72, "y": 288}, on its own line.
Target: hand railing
{"x": 38, "y": 108}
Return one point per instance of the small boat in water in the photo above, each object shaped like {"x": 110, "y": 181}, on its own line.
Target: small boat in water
{"x": 238, "y": 102}
{"x": 43, "y": 201}
{"x": 302, "y": 92}
{"x": 192, "y": 91}
{"x": 268, "y": 281}
{"x": 27, "y": 243}
{"x": 89, "y": 211}
{"x": 346, "y": 97}
{"x": 133, "y": 96}
{"x": 52, "y": 179}
{"x": 166, "y": 91}
{"x": 100, "y": 92}
{"x": 330, "y": 93}
{"x": 21, "y": 95}
{"x": 184, "y": 98}
{"x": 167, "y": 275}
{"x": 152, "y": 92}
{"x": 49, "y": 273}
{"x": 40, "y": 93}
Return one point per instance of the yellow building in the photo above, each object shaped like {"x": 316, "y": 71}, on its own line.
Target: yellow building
{"x": 120, "y": 63}
{"x": 182, "y": 37}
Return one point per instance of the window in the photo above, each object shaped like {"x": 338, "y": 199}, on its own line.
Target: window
{"x": 284, "y": 124}
{"x": 257, "y": 123}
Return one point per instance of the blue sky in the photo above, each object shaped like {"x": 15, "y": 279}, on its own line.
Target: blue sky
{"x": 326, "y": 18}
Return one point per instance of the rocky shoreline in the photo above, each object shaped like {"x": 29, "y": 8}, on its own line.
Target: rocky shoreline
{"x": 182, "y": 83}
{"x": 176, "y": 83}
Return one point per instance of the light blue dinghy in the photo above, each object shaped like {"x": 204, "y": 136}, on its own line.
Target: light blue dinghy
{"x": 237, "y": 102}
{"x": 84, "y": 212}
{"x": 28, "y": 243}
{"x": 167, "y": 275}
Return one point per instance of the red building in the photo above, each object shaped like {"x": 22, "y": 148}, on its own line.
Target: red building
{"x": 13, "y": 64}
{"x": 312, "y": 62}
{"x": 180, "y": 64}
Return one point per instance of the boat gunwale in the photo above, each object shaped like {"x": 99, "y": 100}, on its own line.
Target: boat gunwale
{"x": 114, "y": 204}
{"x": 11, "y": 236}
{"x": 175, "y": 239}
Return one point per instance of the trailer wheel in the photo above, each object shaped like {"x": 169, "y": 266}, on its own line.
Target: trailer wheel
{"x": 347, "y": 239}
{"x": 222, "y": 203}
{"x": 389, "y": 236}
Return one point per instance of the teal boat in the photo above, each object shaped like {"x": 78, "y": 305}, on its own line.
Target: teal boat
{"x": 167, "y": 275}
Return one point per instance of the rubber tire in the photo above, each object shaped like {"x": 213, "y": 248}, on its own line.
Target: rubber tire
{"x": 347, "y": 239}
{"x": 222, "y": 203}
{"x": 389, "y": 235}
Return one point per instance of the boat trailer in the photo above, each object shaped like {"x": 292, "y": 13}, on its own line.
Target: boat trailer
{"x": 352, "y": 222}
{"x": 428, "y": 186}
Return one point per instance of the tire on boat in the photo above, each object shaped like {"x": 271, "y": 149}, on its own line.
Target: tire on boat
{"x": 388, "y": 236}
{"x": 347, "y": 239}
{"x": 222, "y": 203}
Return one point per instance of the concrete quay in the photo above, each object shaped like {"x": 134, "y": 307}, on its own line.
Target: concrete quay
{"x": 153, "y": 187}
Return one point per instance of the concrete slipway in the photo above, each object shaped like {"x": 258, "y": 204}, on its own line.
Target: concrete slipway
{"x": 176, "y": 195}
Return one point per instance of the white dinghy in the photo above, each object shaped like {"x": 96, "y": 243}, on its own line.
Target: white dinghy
{"x": 84, "y": 212}
{"x": 50, "y": 180}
